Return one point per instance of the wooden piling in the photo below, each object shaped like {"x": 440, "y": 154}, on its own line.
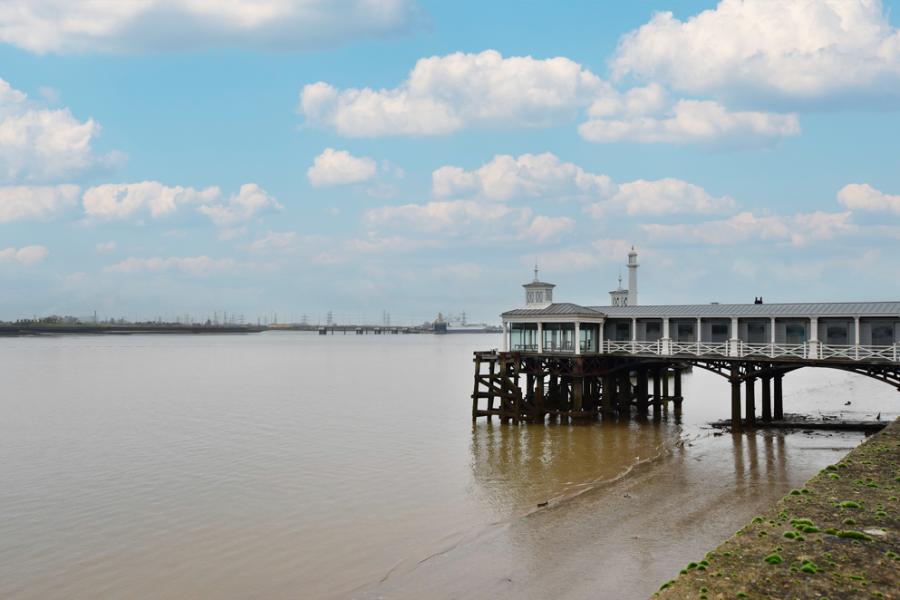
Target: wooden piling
{"x": 750, "y": 401}
{"x": 766, "y": 398}
{"x": 778, "y": 413}
{"x": 735, "y": 398}
{"x": 642, "y": 395}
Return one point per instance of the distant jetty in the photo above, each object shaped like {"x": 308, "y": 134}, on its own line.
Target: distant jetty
{"x": 25, "y": 329}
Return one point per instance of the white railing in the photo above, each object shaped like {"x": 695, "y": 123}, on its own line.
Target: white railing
{"x": 891, "y": 353}
{"x": 633, "y": 347}
{"x": 734, "y": 348}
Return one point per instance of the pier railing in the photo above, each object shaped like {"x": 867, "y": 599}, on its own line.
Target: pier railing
{"x": 811, "y": 350}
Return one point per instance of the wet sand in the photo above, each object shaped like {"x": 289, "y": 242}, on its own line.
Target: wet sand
{"x": 622, "y": 539}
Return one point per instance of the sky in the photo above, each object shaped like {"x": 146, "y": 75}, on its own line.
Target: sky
{"x": 171, "y": 159}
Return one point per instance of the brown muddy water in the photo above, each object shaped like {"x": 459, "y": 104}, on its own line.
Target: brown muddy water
{"x": 289, "y": 465}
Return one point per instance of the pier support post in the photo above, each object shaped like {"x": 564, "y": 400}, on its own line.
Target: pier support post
{"x": 608, "y": 397}
{"x": 735, "y": 398}
{"x": 779, "y": 410}
{"x": 766, "y": 399}
{"x": 750, "y": 401}
{"x": 577, "y": 403}
{"x": 642, "y": 394}
{"x": 677, "y": 398}
{"x": 657, "y": 391}
{"x": 492, "y": 365}
{"x": 665, "y": 386}
{"x": 624, "y": 394}
{"x": 477, "y": 385}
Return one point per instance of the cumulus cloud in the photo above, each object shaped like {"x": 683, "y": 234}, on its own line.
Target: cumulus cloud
{"x": 42, "y": 144}
{"x": 444, "y": 94}
{"x": 124, "y": 200}
{"x": 690, "y": 122}
{"x": 793, "y": 49}
{"x": 249, "y": 201}
{"x": 26, "y": 255}
{"x": 799, "y": 229}
{"x": 864, "y": 197}
{"x": 662, "y": 197}
{"x": 35, "y": 202}
{"x": 339, "y": 167}
{"x": 529, "y": 175}
{"x": 191, "y": 265}
{"x": 63, "y": 26}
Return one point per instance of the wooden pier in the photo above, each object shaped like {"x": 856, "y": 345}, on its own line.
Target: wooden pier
{"x": 522, "y": 387}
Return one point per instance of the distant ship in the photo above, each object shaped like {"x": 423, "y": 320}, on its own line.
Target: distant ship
{"x": 442, "y": 326}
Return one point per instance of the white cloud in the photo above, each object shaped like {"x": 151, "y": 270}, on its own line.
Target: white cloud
{"x": 63, "y": 26}
{"x": 691, "y": 122}
{"x": 250, "y": 200}
{"x": 274, "y": 242}
{"x": 380, "y": 244}
{"x": 40, "y": 144}
{"x": 453, "y": 216}
{"x": 123, "y": 200}
{"x": 339, "y": 167}
{"x": 797, "y": 49}
{"x": 662, "y": 197}
{"x": 191, "y": 265}
{"x": 862, "y": 196}
{"x": 444, "y": 94}
{"x": 546, "y": 229}
{"x": 35, "y": 202}
{"x": 26, "y": 255}
{"x": 506, "y": 177}
{"x": 799, "y": 229}
{"x": 105, "y": 247}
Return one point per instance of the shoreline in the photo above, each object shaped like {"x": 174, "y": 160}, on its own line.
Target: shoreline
{"x": 837, "y": 536}
{"x": 621, "y": 538}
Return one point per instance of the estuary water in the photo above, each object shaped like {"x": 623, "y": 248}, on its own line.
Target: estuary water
{"x": 292, "y": 465}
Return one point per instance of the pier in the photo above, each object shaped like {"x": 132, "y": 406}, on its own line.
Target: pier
{"x": 568, "y": 361}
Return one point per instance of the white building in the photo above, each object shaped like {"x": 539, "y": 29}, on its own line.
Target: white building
{"x": 821, "y": 330}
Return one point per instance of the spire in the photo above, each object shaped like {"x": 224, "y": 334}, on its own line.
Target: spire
{"x": 620, "y": 278}
{"x": 535, "y": 272}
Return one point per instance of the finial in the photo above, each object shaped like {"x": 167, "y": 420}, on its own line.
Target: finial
{"x": 535, "y": 272}
{"x": 620, "y": 278}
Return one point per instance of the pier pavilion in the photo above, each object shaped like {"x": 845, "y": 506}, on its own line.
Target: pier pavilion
{"x": 576, "y": 361}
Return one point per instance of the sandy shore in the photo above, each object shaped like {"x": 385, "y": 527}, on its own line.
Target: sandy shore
{"x": 622, "y": 539}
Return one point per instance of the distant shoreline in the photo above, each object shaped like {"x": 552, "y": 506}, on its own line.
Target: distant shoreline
{"x": 20, "y": 330}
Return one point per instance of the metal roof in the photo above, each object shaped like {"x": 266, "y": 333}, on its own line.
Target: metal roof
{"x": 811, "y": 309}
{"x": 539, "y": 284}
{"x": 557, "y": 309}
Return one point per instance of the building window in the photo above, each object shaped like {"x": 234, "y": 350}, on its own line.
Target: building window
{"x": 589, "y": 337}
{"x": 795, "y": 333}
{"x": 756, "y": 332}
{"x": 719, "y": 332}
{"x": 652, "y": 331}
{"x": 838, "y": 333}
{"x": 685, "y": 332}
{"x": 523, "y": 337}
{"x": 882, "y": 334}
{"x": 623, "y": 332}
{"x": 559, "y": 337}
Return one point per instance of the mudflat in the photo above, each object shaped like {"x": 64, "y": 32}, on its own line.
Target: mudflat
{"x": 835, "y": 537}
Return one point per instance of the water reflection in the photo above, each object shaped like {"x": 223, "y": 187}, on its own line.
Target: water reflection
{"x": 518, "y": 467}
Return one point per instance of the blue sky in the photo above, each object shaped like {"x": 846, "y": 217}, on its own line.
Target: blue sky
{"x": 358, "y": 156}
